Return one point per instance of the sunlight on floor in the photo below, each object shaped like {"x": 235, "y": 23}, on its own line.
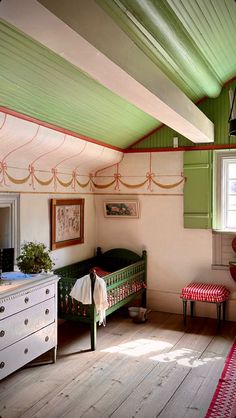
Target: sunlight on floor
{"x": 184, "y": 357}
{"x": 138, "y": 347}
{"x": 141, "y": 347}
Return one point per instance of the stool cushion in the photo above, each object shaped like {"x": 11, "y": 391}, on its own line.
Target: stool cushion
{"x": 205, "y": 292}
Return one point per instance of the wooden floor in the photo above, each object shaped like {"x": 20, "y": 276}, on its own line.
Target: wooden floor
{"x": 156, "y": 369}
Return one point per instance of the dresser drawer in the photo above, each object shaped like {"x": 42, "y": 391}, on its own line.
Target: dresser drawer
{"x": 26, "y": 350}
{"x": 24, "y": 300}
{"x": 23, "y": 323}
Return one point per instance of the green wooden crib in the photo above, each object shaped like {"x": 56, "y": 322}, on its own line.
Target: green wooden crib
{"x": 125, "y": 274}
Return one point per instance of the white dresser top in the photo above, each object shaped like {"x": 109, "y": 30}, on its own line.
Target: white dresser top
{"x": 8, "y": 287}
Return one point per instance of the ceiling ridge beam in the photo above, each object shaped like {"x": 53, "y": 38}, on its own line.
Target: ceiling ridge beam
{"x": 133, "y": 76}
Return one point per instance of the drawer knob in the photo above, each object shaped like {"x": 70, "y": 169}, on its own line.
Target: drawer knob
{"x": 26, "y": 299}
{"x": 26, "y": 321}
{"x": 2, "y": 333}
{"x": 46, "y": 311}
{"x": 46, "y": 338}
{"x": 2, "y": 308}
{"x": 26, "y": 350}
{"x": 47, "y": 291}
{"x": 2, "y": 364}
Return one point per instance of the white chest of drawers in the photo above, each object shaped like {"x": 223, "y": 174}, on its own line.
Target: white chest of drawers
{"x": 28, "y": 321}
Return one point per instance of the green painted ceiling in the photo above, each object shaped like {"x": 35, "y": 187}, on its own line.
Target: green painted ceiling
{"x": 37, "y": 82}
{"x": 192, "y": 41}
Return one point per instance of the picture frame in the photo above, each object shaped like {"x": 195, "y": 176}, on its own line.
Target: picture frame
{"x": 121, "y": 209}
{"x": 67, "y": 222}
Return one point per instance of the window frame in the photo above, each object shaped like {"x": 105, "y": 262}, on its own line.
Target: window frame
{"x": 222, "y": 251}
{"x": 13, "y": 202}
{"x": 221, "y": 161}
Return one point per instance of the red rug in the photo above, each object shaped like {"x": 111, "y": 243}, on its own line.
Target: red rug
{"x": 223, "y": 404}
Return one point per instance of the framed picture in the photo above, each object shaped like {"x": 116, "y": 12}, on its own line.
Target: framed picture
{"x": 67, "y": 222}
{"x": 121, "y": 209}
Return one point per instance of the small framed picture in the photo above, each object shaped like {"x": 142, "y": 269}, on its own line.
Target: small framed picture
{"x": 121, "y": 209}
{"x": 67, "y": 222}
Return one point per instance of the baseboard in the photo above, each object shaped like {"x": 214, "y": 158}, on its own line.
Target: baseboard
{"x": 167, "y": 301}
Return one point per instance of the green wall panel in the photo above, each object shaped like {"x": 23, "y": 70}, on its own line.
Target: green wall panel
{"x": 198, "y": 189}
{"x": 217, "y": 110}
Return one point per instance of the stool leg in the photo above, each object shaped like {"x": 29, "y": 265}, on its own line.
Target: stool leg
{"x": 218, "y": 307}
{"x": 191, "y": 307}
{"x": 184, "y": 310}
{"x": 224, "y": 310}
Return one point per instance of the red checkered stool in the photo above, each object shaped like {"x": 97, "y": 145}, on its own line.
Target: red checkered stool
{"x": 205, "y": 292}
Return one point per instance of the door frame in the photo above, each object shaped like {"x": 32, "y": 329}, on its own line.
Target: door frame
{"x": 13, "y": 202}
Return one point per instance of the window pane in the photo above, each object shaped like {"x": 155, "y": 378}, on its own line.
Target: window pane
{"x": 231, "y": 219}
{"x": 232, "y": 186}
{"x": 225, "y": 180}
{"x": 232, "y": 202}
{"x": 232, "y": 170}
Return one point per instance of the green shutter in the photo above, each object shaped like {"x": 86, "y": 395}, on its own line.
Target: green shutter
{"x": 198, "y": 189}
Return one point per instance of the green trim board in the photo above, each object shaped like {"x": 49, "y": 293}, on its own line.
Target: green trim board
{"x": 36, "y": 82}
{"x": 198, "y": 189}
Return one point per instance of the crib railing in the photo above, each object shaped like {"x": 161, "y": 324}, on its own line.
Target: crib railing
{"x": 123, "y": 285}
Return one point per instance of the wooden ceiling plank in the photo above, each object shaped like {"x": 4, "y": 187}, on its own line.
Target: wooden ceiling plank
{"x": 137, "y": 80}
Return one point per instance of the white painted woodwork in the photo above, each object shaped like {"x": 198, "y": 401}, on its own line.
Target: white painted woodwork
{"x": 23, "y": 300}
{"x": 26, "y": 350}
{"x": 133, "y": 77}
{"x": 12, "y": 220}
{"x": 28, "y": 320}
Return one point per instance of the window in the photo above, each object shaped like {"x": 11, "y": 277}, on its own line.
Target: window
{"x": 224, "y": 207}
{"x": 201, "y": 211}
{"x": 224, "y": 214}
{"x": 229, "y": 194}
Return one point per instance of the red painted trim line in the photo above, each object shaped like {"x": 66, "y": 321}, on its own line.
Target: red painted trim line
{"x": 230, "y": 81}
{"x": 190, "y": 148}
{"x": 56, "y": 128}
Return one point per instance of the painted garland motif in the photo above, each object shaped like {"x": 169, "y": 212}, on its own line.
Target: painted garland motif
{"x": 74, "y": 181}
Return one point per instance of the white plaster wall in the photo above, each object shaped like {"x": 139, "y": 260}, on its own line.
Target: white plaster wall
{"x": 35, "y": 226}
{"x": 176, "y": 256}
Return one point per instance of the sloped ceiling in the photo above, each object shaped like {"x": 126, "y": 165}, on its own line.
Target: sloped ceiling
{"x": 192, "y": 41}
{"x": 165, "y": 54}
{"x": 32, "y": 147}
{"x": 40, "y": 83}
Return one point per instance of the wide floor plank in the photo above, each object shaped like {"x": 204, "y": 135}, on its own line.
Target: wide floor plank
{"x": 159, "y": 368}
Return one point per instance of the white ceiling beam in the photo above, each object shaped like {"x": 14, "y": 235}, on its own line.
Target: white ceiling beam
{"x": 132, "y": 76}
